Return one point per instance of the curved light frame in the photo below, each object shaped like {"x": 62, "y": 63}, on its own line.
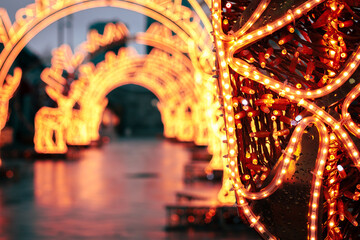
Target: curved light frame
{"x": 226, "y": 46}
{"x": 35, "y": 17}
{"x": 157, "y": 36}
{"x": 166, "y": 82}
{"x": 172, "y": 82}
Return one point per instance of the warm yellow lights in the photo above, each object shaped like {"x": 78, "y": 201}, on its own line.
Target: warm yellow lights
{"x": 78, "y": 133}
{"x": 354, "y": 128}
{"x": 95, "y": 89}
{"x": 6, "y": 93}
{"x": 185, "y": 24}
{"x": 35, "y": 17}
{"x": 85, "y": 122}
{"x": 233, "y": 44}
{"x": 51, "y": 122}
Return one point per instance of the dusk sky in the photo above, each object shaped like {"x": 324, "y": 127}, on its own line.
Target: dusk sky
{"x": 46, "y": 40}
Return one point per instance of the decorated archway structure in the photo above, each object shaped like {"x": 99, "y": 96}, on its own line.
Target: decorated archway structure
{"x": 152, "y": 72}
{"x": 184, "y": 22}
{"x": 173, "y": 85}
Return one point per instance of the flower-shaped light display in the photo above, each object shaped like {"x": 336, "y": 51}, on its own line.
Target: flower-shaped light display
{"x": 288, "y": 72}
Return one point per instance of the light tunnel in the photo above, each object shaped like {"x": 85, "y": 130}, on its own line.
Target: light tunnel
{"x": 35, "y": 17}
{"x": 185, "y": 23}
{"x": 170, "y": 76}
{"x": 173, "y": 87}
{"x": 191, "y": 28}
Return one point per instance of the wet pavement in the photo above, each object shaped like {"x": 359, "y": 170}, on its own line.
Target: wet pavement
{"x": 118, "y": 191}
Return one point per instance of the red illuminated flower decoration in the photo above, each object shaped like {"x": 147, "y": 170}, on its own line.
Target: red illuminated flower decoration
{"x": 284, "y": 68}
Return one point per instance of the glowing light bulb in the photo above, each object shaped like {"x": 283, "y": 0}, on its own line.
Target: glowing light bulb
{"x": 244, "y": 102}
{"x": 298, "y": 118}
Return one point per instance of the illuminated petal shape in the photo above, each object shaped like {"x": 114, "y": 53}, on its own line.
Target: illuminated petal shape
{"x": 279, "y": 63}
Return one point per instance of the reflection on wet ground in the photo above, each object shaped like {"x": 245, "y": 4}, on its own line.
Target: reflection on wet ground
{"x": 116, "y": 192}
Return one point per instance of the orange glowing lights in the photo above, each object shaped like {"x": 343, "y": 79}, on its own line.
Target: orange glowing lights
{"x": 35, "y": 17}
{"x": 51, "y": 124}
{"x": 30, "y": 20}
{"x": 6, "y": 92}
{"x": 184, "y": 31}
{"x": 232, "y": 44}
{"x": 174, "y": 87}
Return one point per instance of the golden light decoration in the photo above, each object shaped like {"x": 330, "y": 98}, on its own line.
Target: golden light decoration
{"x": 182, "y": 21}
{"x": 172, "y": 85}
{"x": 281, "y": 72}
{"x": 35, "y": 17}
{"x": 175, "y": 88}
{"x": 6, "y": 93}
{"x": 95, "y": 83}
{"x": 56, "y": 121}
{"x": 53, "y": 123}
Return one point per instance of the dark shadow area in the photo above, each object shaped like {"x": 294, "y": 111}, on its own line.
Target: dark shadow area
{"x": 136, "y": 109}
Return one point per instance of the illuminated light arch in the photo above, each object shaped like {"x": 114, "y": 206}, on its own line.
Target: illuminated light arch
{"x": 176, "y": 123}
{"x": 206, "y": 131}
{"x": 176, "y": 78}
{"x": 168, "y": 84}
{"x": 181, "y": 20}
{"x": 235, "y": 69}
{"x": 157, "y": 36}
{"x": 35, "y": 17}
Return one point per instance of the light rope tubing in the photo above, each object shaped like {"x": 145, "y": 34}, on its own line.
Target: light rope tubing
{"x": 225, "y": 56}
{"x": 32, "y": 19}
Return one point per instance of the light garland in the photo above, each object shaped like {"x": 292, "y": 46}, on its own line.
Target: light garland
{"x": 37, "y": 16}
{"x": 353, "y": 127}
{"x": 95, "y": 86}
{"x": 229, "y": 46}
